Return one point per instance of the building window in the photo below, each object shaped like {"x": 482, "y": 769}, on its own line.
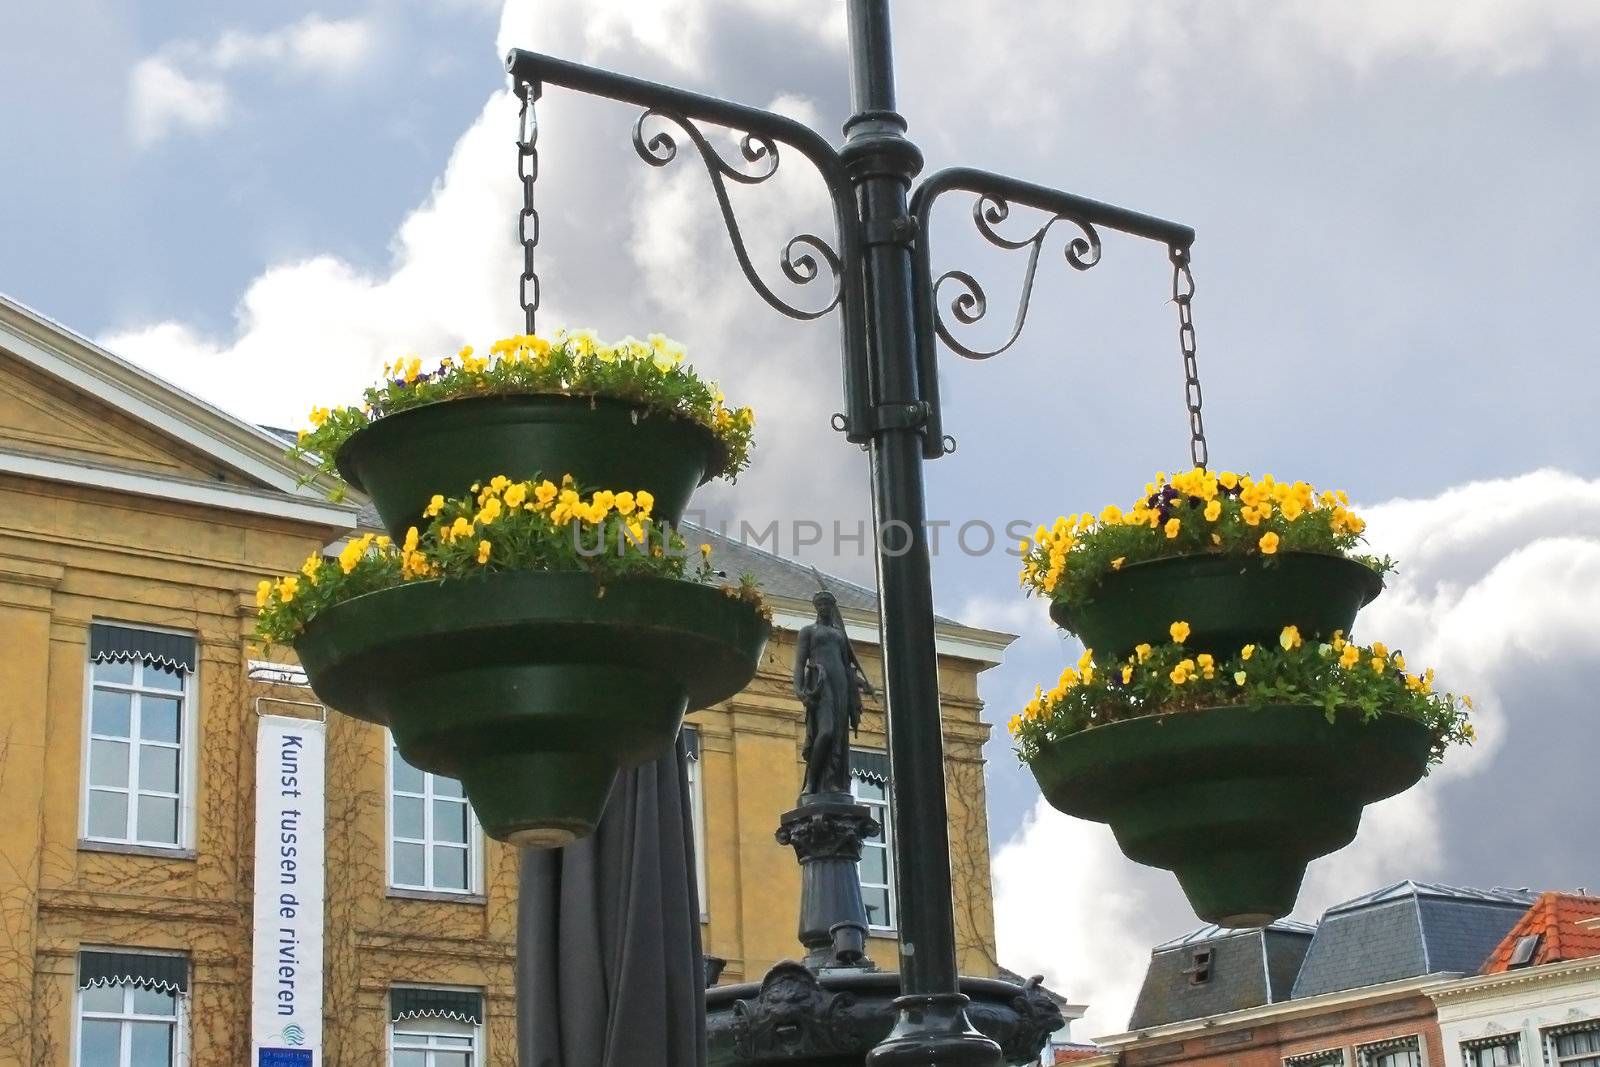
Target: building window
{"x": 1199, "y": 969}
{"x": 697, "y": 813}
{"x": 869, "y": 784}
{"x": 1399, "y": 1052}
{"x": 1576, "y": 1046}
{"x": 435, "y": 1027}
{"x": 434, "y": 839}
{"x": 138, "y": 751}
{"x": 1493, "y": 1052}
{"x": 1331, "y": 1057}
{"x": 129, "y": 1009}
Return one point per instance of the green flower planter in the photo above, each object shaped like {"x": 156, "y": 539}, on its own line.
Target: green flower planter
{"x": 402, "y": 460}
{"x": 533, "y": 688}
{"x": 1233, "y": 800}
{"x": 1228, "y": 601}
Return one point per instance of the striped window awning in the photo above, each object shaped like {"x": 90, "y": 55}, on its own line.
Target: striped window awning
{"x": 457, "y": 1005}
{"x": 111, "y": 643}
{"x": 150, "y": 970}
{"x": 870, "y": 765}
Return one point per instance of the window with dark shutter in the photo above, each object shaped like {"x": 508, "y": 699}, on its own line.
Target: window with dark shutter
{"x": 456, "y": 1005}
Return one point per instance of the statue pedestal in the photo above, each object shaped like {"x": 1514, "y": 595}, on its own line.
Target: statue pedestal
{"x": 826, "y": 831}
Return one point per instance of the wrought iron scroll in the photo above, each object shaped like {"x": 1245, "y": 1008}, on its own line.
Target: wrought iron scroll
{"x": 805, "y": 257}
{"x": 995, "y": 195}
{"x": 971, "y": 304}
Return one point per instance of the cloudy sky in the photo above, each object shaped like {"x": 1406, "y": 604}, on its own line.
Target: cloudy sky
{"x": 1396, "y": 279}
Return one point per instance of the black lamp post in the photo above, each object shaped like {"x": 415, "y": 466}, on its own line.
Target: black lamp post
{"x": 882, "y": 284}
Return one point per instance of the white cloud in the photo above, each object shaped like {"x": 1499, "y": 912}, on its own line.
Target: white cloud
{"x": 162, "y": 99}
{"x": 320, "y": 329}
{"x": 182, "y": 86}
{"x": 313, "y": 45}
{"x": 1035, "y": 56}
{"x": 1496, "y": 590}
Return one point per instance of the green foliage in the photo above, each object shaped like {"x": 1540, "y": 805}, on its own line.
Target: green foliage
{"x": 649, "y": 373}
{"x": 1168, "y": 679}
{"x": 1195, "y": 512}
{"x": 535, "y": 525}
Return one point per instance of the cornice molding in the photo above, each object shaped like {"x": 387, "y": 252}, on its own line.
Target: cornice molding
{"x": 37, "y": 573}
{"x": 1485, "y": 985}
{"x": 180, "y": 490}
{"x": 1266, "y": 1013}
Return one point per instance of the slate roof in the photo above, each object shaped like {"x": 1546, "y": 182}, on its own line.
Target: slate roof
{"x": 1248, "y": 968}
{"x": 1406, "y": 930}
{"x": 1554, "y": 919}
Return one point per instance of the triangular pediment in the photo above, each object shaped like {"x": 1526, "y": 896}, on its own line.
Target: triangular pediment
{"x": 50, "y": 418}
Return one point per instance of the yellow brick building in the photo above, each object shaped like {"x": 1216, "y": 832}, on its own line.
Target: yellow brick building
{"x": 135, "y": 522}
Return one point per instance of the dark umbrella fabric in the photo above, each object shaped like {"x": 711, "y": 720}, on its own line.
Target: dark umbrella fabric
{"x": 609, "y": 967}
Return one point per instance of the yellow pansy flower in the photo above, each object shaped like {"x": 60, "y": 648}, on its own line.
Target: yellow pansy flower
{"x": 1290, "y": 638}
{"x": 1179, "y": 631}
{"x": 1269, "y": 543}
{"x": 1172, "y": 528}
{"x": 1247, "y": 651}
{"x": 263, "y": 593}
{"x": 1142, "y": 651}
{"x": 1213, "y": 511}
{"x": 484, "y": 548}
{"x": 1239, "y": 677}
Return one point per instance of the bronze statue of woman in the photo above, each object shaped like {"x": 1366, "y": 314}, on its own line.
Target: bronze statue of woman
{"x": 829, "y": 681}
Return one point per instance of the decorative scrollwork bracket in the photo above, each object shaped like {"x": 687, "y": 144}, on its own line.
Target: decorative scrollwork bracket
{"x": 805, "y": 259}
{"x": 994, "y": 195}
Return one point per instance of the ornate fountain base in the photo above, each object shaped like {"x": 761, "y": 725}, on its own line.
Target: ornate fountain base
{"x": 797, "y": 1018}
{"x": 836, "y": 1007}
{"x": 826, "y": 830}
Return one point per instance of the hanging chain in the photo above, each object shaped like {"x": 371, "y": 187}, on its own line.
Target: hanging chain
{"x": 1182, "y": 294}
{"x": 528, "y": 221}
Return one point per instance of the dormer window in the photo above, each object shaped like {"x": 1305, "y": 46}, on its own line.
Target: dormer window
{"x": 1199, "y": 969}
{"x": 1522, "y": 953}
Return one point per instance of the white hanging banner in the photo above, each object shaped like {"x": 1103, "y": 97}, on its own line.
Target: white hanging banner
{"x": 286, "y": 967}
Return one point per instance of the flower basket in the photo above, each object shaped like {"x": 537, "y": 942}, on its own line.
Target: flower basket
{"x": 402, "y": 460}
{"x": 1235, "y": 801}
{"x": 1235, "y": 771}
{"x": 534, "y": 689}
{"x": 630, "y": 415}
{"x": 1239, "y": 558}
{"x": 1228, "y": 601}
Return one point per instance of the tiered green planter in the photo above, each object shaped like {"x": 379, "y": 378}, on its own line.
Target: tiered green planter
{"x": 402, "y": 460}
{"x": 1228, "y": 601}
{"x": 1235, "y": 801}
{"x": 534, "y": 689}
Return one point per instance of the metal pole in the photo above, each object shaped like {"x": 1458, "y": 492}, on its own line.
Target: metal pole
{"x": 881, "y": 162}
